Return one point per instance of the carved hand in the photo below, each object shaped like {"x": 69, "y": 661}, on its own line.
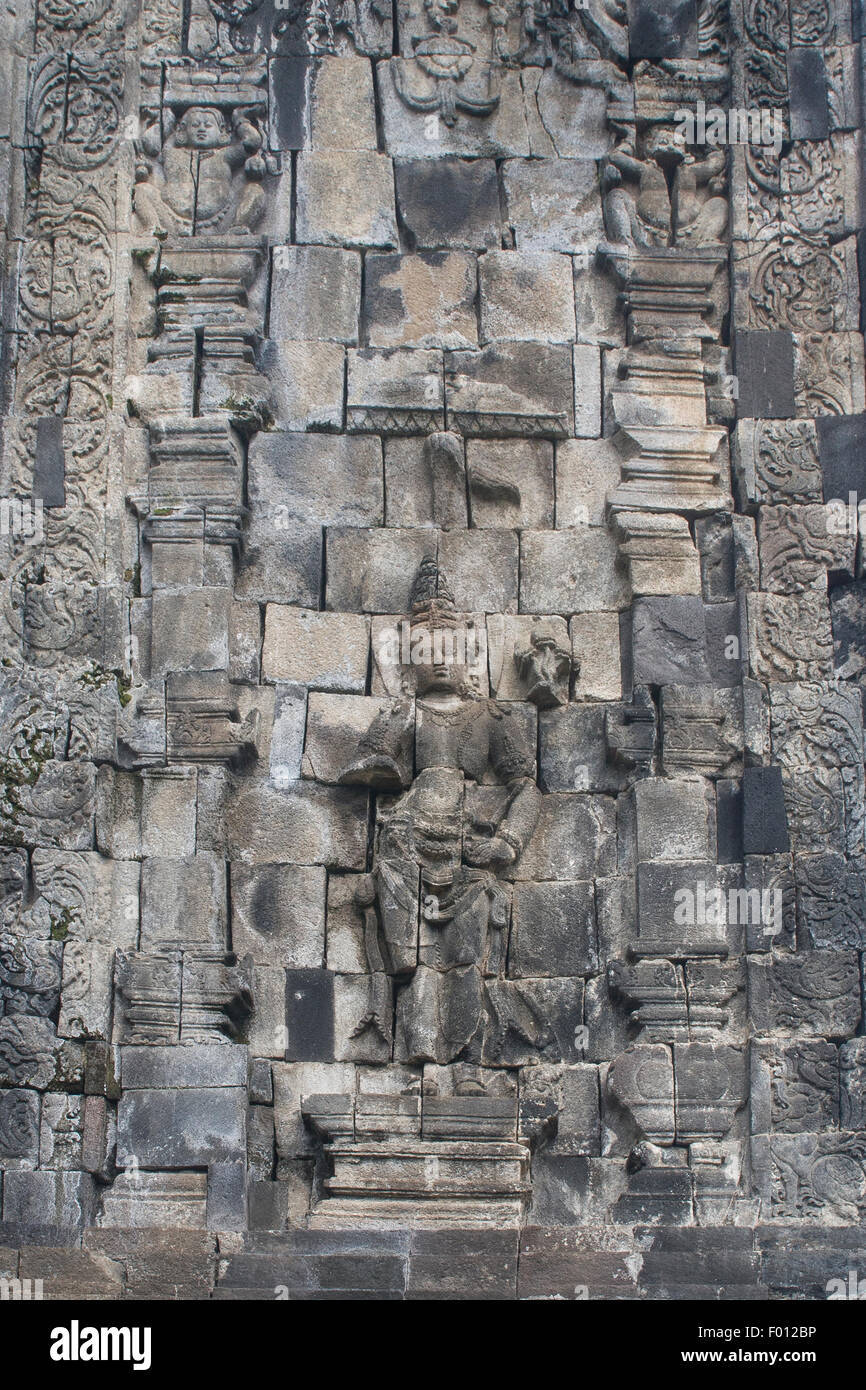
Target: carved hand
{"x": 483, "y": 853}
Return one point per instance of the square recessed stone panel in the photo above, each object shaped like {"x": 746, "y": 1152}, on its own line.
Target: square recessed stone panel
{"x": 326, "y": 651}
{"x": 448, "y": 202}
{"x": 425, "y": 300}
{"x": 346, "y": 198}
{"x": 573, "y": 571}
{"x": 315, "y": 293}
{"x": 526, "y": 295}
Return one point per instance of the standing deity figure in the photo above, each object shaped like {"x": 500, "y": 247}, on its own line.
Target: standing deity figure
{"x": 202, "y": 175}
{"x": 436, "y": 913}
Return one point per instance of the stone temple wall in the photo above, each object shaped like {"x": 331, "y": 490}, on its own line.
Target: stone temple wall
{"x": 433, "y": 642}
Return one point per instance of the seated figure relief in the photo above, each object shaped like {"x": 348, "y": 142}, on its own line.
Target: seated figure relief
{"x": 665, "y": 196}
{"x": 202, "y": 175}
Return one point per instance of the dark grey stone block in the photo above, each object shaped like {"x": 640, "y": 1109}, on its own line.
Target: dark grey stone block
{"x": 572, "y": 751}
{"x": 664, "y": 889}
{"x": 803, "y": 1260}
{"x": 669, "y": 642}
{"x": 704, "y": 1239}
{"x": 715, "y": 538}
{"x": 261, "y": 1082}
{"x": 764, "y": 367}
{"x": 842, "y": 451}
{"x": 49, "y": 466}
{"x": 181, "y": 1129}
{"x": 729, "y": 821}
{"x": 384, "y": 1241}
{"x": 559, "y": 1263}
{"x": 553, "y": 929}
{"x": 182, "y": 1068}
{"x": 268, "y": 1204}
{"x": 227, "y": 1196}
{"x": 54, "y": 1198}
{"x": 725, "y": 643}
{"x": 700, "y": 1265}
{"x": 462, "y": 1264}
{"x": 448, "y": 202}
{"x": 14, "y": 1234}
{"x": 99, "y": 1070}
{"x": 807, "y": 94}
{"x": 560, "y": 1188}
{"x": 288, "y": 92}
{"x": 765, "y": 824}
{"x": 662, "y": 28}
{"x": 310, "y": 1016}
{"x": 657, "y": 1195}
{"x": 848, "y": 615}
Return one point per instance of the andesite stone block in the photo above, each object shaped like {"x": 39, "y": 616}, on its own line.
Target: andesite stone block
{"x": 764, "y": 365}
{"x": 309, "y": 1016}
{"x": 765, "y": 827}
{"x": 807, "y": 94}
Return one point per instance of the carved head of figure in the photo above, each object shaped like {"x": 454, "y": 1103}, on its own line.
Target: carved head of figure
{"x": 440, "y": 660}
{"x": 661, "y": 145}
{"x": 546, "y": 666}
{"x": 441, "y": 14}
{"x": 202, "y": 128}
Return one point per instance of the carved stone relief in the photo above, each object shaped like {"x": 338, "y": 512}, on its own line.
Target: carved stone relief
{"x": 432, "y": 780}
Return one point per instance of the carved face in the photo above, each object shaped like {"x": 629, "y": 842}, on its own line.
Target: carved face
{"x": 202, "y": 127}
{"x": 438, "y": 657}
{"x": 661, "y": 145}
